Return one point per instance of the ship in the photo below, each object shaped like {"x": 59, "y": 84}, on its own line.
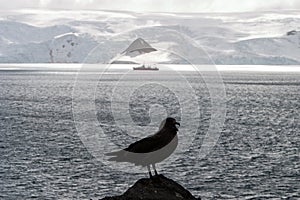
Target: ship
{"x": 144, "y": 67}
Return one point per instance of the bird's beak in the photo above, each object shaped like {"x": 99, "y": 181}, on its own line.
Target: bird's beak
{"x": 177, "y": 123}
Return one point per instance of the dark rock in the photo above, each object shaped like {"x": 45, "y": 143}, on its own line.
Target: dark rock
{"x": 293, "y": 32}
{"x": 139, "y": 46}
{"x": 158, "y": 187}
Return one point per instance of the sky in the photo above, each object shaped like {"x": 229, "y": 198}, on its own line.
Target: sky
{"x": 156, "y": 5}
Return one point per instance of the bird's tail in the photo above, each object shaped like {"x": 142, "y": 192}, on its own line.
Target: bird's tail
{"x": 125, "y": 156}
{"x": 118, "y": 156}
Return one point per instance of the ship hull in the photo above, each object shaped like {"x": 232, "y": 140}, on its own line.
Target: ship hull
{"x": 145, "y": 69}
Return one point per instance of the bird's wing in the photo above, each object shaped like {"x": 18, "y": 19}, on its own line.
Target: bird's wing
{"x": 146, "y": 145}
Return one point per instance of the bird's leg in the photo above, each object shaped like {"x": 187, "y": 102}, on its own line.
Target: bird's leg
{"x": 153, "y": 165}
{"x": 150, "y": 174}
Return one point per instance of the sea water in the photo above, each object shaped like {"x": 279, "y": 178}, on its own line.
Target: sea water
{"x": 43, "y": 155}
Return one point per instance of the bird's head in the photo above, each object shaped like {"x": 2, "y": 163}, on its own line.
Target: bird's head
{"x": 170, "y": 123}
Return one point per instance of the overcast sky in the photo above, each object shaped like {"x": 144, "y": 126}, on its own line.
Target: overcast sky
{"x": 156, "y": 5}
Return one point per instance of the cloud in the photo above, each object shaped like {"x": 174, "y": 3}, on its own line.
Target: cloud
{"x": 18, "y": 4}
{"x": 155, "y": 5}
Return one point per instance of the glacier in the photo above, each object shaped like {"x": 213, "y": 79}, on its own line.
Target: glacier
{"x": 65, "y": 36}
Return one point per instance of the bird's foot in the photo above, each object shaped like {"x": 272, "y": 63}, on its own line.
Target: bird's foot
{"x": 150, "y": 174}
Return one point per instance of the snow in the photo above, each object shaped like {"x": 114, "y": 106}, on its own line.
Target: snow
{"x": 66, "y": 34}
{"x": 62, "y": 36}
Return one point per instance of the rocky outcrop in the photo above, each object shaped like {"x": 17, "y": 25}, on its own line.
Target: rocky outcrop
{"x": 156, "y": 188}
{"x": 138, "y": 47}
{"x": 293, "y": 32}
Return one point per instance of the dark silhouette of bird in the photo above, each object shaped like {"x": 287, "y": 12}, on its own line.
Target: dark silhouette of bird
{"x": 152, "y": 149}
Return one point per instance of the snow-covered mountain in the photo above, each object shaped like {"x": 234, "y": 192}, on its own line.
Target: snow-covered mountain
{"x": 69, "y": 36}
